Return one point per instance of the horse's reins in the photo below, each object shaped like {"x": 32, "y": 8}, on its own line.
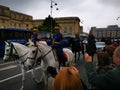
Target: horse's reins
{"x": 38, "y": 49}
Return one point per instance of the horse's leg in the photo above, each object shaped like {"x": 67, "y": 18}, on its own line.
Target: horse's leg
{"x": 33, "y": 75}
{"x": 75, "y": 56}
{"x": 23, "y": 76}
{"x": 50, "y": 83}
{"x": 78, "y": 55}
{"x": 45, "y": 77}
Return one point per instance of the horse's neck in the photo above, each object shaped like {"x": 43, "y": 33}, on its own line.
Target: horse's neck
{"x": 21, "y": 49}
{"x": 49, "y": 58}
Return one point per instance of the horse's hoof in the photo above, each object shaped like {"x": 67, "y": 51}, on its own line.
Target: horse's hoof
{"x": 22, "y": 88}
{"x": 38, "y": 83}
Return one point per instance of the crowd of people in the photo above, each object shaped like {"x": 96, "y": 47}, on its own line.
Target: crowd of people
{"x": 103, "y": 76}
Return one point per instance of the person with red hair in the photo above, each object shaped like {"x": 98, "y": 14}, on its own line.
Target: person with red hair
{"x": 68, "y": 79}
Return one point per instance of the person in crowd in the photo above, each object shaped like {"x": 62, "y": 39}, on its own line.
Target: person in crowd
{"x": 49, "y": 39}
{"x": 90, "y": 46}
{"x": 103, "y": 39}
{"x": 108, "y": 81}
{"x": 76, "y": 46}
{"x": 116, "y": 44}
{"x": 35, "y": 35}
{"x": 110, "y": 49}
{"x": 57, "y": 38}
{"x": 108, "y": 41}
{"x": 67, "y": 79}
{"x": 104, "y": 63}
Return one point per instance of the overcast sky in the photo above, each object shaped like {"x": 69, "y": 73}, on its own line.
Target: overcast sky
{"x": 99, "y": 13}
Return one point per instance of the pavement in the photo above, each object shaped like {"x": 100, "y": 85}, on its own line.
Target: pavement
{"x": 80, "y": 64}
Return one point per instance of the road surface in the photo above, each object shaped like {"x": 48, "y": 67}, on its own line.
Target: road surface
{"x": 10, "y": 76}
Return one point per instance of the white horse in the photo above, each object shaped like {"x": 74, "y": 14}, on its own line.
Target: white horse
{"x": 19, "y": 52}
{"x": 44, "y": 53}
{"x": 15, "y": 50}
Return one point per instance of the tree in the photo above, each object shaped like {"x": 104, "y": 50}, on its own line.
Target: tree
{"x": 48, "y": 25}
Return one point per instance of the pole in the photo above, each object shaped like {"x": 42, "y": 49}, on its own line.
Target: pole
{"x": 51, "y": 7}
{"x": 51, "y": 14}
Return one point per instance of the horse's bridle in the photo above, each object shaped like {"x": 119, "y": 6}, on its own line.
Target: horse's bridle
{"x": 11, "y": 52}
{"x": 36, "y": 52}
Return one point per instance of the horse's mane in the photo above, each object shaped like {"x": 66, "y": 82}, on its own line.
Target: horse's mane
{"x": 44, "y": 45}
{"x": 19, "y": 47}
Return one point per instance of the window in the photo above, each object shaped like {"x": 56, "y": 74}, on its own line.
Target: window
{"x": 70, "y": 29}
{"x": 65, "y": 29}
{"x": 1, "y": 10}
{"x": 2, "y": 21}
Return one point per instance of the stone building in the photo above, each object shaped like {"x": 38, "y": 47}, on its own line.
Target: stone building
{"x": 112, "y": 31}
{"x": 13, "y": 19}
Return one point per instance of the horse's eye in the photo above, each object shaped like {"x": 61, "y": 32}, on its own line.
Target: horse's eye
{"x": 7, "y": 50}
{"x": 33, "y": 51}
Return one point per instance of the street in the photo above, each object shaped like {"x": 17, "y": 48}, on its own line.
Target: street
{"x": 10, "y": 76}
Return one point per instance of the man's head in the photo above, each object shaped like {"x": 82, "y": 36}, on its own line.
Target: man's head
{"x": 116, "y": 56}
{"x": 35, "y": 31}
{"x": 57, "y": 29}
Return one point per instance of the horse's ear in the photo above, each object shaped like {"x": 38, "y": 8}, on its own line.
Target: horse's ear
{"x": 7, "y": 43}
{"x": 29, "y": 40}
{"x": 27, "y": 44}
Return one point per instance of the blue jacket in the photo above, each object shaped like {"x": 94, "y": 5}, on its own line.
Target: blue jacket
{"x": 34, "y": 37}
{"x": 57, "y": 37}
{"x": 57, "y": 42}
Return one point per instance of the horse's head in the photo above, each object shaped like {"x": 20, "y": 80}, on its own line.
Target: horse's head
{"x": 8, "y": 51}
{"x": 34, "y": 54}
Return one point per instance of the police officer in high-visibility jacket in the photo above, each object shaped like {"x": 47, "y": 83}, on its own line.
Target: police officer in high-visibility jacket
{"x": 57, "y": 38}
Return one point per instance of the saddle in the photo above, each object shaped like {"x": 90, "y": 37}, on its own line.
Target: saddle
{"x": 65, "y": 55}
{"x": 59, "y": 56}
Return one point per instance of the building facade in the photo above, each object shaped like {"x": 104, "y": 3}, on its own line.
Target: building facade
{"x": 13, "y": 19}
{"x": 112, "y": 31}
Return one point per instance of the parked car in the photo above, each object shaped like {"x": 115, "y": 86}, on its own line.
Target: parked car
{"x": 100, "y": 45}
{"x": 67, "y": 40}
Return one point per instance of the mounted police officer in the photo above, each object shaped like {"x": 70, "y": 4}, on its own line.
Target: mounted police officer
{"x": 57, "y": 38}
{"x": 35, "y": 36}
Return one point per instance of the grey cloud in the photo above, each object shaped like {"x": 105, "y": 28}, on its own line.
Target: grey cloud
{"x": 115, "y": 3}
{"x": 93, "y": 12}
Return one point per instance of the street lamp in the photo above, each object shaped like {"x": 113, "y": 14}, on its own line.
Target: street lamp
{"x": 117, "y": 18}
{"x": 51, "y": 7}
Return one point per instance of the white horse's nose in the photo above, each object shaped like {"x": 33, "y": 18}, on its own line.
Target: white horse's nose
{"x": 30, "y": 67}
{"x": 28, "y": 64}
{"x": 5, "y": 59}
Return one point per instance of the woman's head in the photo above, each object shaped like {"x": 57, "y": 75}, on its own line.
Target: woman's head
{"x": 67, "y": 79}
{"x": 110, "y": 49}
{"x": 103, "y": 58}
{"x": 116, "y": 56}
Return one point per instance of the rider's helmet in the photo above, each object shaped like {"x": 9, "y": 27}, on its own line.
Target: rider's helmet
{"x": 35, "y": 30}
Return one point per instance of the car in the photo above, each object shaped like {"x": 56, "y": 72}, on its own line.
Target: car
{"x": 67, "y": 40}
{"x": 100, "y": 45}
{"x": 69, "y": 36}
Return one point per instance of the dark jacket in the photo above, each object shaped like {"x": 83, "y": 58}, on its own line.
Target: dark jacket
{"x": 76, "y": 44}
{"x": 108, "y": 81}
